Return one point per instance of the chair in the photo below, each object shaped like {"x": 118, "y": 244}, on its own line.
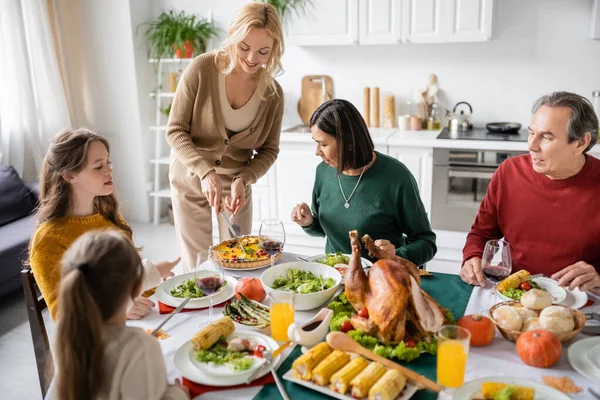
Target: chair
{"x": 35, "y": 305}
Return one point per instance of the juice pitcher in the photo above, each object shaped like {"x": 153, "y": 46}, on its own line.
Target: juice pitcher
{"x": 282, "y": 313}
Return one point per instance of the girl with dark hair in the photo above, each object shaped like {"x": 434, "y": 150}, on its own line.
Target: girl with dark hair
{"x": 359, "y": 188}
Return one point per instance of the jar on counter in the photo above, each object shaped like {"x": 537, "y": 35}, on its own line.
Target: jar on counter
{"x": 433, "y": 122}
{"x": 389, "y": 111}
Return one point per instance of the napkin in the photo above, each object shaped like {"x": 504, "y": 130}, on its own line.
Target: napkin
{"x": 196, "y": 389}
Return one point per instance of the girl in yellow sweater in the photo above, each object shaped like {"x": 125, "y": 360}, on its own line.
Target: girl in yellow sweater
{"x": 97, "y": 355}
{"x": 76, "y": 196}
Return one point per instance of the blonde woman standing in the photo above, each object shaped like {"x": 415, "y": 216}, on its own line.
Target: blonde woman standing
{"x": 224, "y": 128}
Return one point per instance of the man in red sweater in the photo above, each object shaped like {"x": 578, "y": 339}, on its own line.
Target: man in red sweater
{"x": 546, "y": 204}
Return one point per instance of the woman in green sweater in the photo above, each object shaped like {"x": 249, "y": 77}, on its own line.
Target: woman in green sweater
{"x": 359, "y": 188}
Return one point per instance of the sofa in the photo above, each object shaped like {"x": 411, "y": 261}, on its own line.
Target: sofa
{"x": 17, "y": 224}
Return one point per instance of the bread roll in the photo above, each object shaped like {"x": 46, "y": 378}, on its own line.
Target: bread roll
{"x": 536, "y": 299}
{"x": 531, "y": 324}
{"x": 508, "y": 318}
{"x": 557, "y": 319}
{"x": 526, "y": 313}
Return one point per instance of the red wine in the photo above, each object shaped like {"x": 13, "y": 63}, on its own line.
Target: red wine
{"x": 271, "y": 246}
{"x": 496, "y": 273}
{"x": 209, "y": 284}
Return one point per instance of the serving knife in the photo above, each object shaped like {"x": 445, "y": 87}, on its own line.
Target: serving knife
{"x": 232, "y": 230}
{"x": 176, "y": 311}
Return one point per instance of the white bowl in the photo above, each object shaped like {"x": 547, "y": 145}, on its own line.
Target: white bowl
{"x": 304, "y": 301}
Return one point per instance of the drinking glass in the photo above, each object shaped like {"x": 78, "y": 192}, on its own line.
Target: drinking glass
{"x": 496, "y": 262}
{"x": 282, "y": 313}
{"x": 452, "y": 352}
{"x": 271, "y": 237}
{"x": 209, "y": 276}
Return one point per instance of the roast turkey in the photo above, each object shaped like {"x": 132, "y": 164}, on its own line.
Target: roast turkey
{"x": 397, "y": 307}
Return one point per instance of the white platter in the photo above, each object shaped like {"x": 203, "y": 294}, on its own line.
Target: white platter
{"x": 594, "y": 356}
{"x": 573, "y": 298}
{"x": 407, "y": 393}
{"x": 472, "y": 390}
{"x": 579, "y": 357}
{"x": 163, "y": 292}
{"x": 365, "y": 263}
{"x": 189, "y": 370}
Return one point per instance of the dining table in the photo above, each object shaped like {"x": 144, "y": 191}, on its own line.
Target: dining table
{"x": 497, "y": 359}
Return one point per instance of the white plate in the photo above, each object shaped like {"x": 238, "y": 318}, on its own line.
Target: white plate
{"x": 579, "y": 357}
{"x": 594, "y": 355}
{"x": 192, "y": 373}
{"x": 471, "y": 390}
{"x": 574, "y": 298}
{"x": 225, "y": 370}
{"x": 163, "y": 292}
{"x": 365, "y": 263}
{"x": 407, "y": 393}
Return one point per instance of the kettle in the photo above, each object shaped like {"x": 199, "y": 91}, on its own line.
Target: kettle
{"x": 462, "y": 121}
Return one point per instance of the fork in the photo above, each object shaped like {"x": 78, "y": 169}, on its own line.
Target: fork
{"x": 596, "y": 395}
{"x": 269, "y": 357}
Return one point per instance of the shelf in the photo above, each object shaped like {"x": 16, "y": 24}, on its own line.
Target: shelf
{"x": 166, "y": 193}
{"x": 170, "y": 60}
{"x": 159, "y": 128}
{"x": 162, "y": 160}
{"x": 163, "y": 95}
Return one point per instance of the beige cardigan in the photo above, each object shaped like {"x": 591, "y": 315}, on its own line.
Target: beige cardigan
{"x": 196, "y": 129}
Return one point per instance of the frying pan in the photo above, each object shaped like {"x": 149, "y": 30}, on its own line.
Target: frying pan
{"x": 503, "y": 127}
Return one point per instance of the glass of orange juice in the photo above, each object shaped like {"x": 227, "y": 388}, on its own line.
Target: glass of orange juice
{"x": 282, "y": 313}
{"x": 452, "y": 352}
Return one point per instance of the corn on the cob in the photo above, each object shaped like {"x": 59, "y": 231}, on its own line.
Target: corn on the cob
{"x": 489, "y": 390}
{"x": 389, "y": 386}
{"x": 211, "y": 333}
{"x": 362, "y": 383}
{"x": 513, "y": 280}
{"x": 341, "y": 379}
{"x": 329, "y": 366}
{"x": 303, "y": 366}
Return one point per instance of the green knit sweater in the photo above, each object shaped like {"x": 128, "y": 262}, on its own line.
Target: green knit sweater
{"x": 386, "y": 205}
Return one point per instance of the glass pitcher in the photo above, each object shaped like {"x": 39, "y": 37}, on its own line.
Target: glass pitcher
{"x": 282, "y": 313}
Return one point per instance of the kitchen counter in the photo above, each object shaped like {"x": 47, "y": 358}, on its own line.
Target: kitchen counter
{"x": 380, "y": 136}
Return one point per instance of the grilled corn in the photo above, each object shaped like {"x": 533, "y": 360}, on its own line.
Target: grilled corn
{"x": 211, "y": 333}
{"x": 489, "y": 390}
{"x": 513, "y": 280}
{"x": 389, "y": 386}
{"x": 329, "y": 366}
{"x": 303, "y": 366}
{"x": 341, "y": 379}
{"x": 362, "y": 383}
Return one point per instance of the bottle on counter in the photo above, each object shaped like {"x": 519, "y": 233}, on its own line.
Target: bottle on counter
{"x": 433, "y": 121}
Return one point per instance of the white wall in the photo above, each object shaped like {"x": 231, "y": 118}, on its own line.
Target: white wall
{"x": 538, "y": 46}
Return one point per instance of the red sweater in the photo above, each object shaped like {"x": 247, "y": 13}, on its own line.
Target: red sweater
{"x": 550, "y": 224}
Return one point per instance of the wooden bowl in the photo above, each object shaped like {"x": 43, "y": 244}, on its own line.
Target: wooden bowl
{"x": 513, "y": 335}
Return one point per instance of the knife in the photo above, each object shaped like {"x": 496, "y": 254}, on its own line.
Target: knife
{"x": 179, "y": 308}
{"x": 231, "y": 230}
{"x": 591, "y": 330}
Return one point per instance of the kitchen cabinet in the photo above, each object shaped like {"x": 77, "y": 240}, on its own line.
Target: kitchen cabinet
{"x": 419, "y": 160}
{"x": 380, "y": 21}
{"x": 447, "y": 21}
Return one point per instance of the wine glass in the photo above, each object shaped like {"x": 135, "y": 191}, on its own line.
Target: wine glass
{"x": 209, "y": 276}
{"x": 496, "y": 262}
{"x": 271, "y": 237}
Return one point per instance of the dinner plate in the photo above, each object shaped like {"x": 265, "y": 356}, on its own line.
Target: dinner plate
{"x": 594, "y": 355}
{"x": 225, "y": 370}
{"x": 365, "y": 263}
{"x": 573, "y": 298}
{"x": 472, "y": 390}
{"x": 163, "y": 292}
{"x": 579, "y": 357}
{"x": 409, "y": 390}
{"x": 189, "y": 370}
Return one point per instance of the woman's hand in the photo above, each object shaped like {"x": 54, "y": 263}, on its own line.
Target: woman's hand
{"x": 164, "y": 267}
{"x": 302, "y": 215}
{"x": 238, "y": 196}
{"x": 141, "y": 307}
{"x": 212, "y": 189}
{"x": 183, "y": 388}
{"x": 386, "y": 246}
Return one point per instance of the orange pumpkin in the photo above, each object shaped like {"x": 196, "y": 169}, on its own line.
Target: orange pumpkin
{"x": 539, "y": 348}
{"x": 251, "y": 288}
{"x": 481, "y": 328}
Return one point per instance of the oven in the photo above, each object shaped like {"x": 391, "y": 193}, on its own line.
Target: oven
{"x": 460, "y": 181}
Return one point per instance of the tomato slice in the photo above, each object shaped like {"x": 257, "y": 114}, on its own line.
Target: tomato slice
{"x": 410, "y": 343}
{"x": 363, "y": 313}
{"x": 525, "y": 286}
{"x": 258, "y": 350}
{"x": 346, "y": 326}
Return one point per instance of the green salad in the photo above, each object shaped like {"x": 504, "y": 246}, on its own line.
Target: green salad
{"x": 517, "y": 293}
{"x": 188, "y": 288}
{"x": 334, "y": 258}
{"x": 303, "y": 282}
{"x": 218, "y": 354}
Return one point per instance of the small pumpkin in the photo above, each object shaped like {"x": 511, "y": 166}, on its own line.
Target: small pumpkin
{"x": 251, "y": 288}
{"x": 481, "y": 328}
{"x": 539, "y": 348}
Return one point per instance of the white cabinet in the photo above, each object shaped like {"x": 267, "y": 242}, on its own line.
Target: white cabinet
{"x": 447, "y": 21}
{"x": 380, "y": 21}
{"x": 327, "y": 22}
{"x": 419, "y": 160}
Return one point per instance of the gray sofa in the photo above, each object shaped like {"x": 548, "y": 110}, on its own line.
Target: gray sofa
{"x": 17, "y": 224}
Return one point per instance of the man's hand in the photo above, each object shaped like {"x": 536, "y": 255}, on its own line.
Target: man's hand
{"x": 140, "y": 309}
{"x": 579, "y": 275}
{"x": 212, "y": 189}
{"x": 471, "y": 272}
{"x": 238, "y": 196}
{"x": 386, "y": 246}
{"x": 164, "y": 267}
{"x": 302, "y": 215}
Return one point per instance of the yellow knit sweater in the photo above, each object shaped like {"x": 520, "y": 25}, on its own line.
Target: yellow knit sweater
{"x": 50, "y": 242}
